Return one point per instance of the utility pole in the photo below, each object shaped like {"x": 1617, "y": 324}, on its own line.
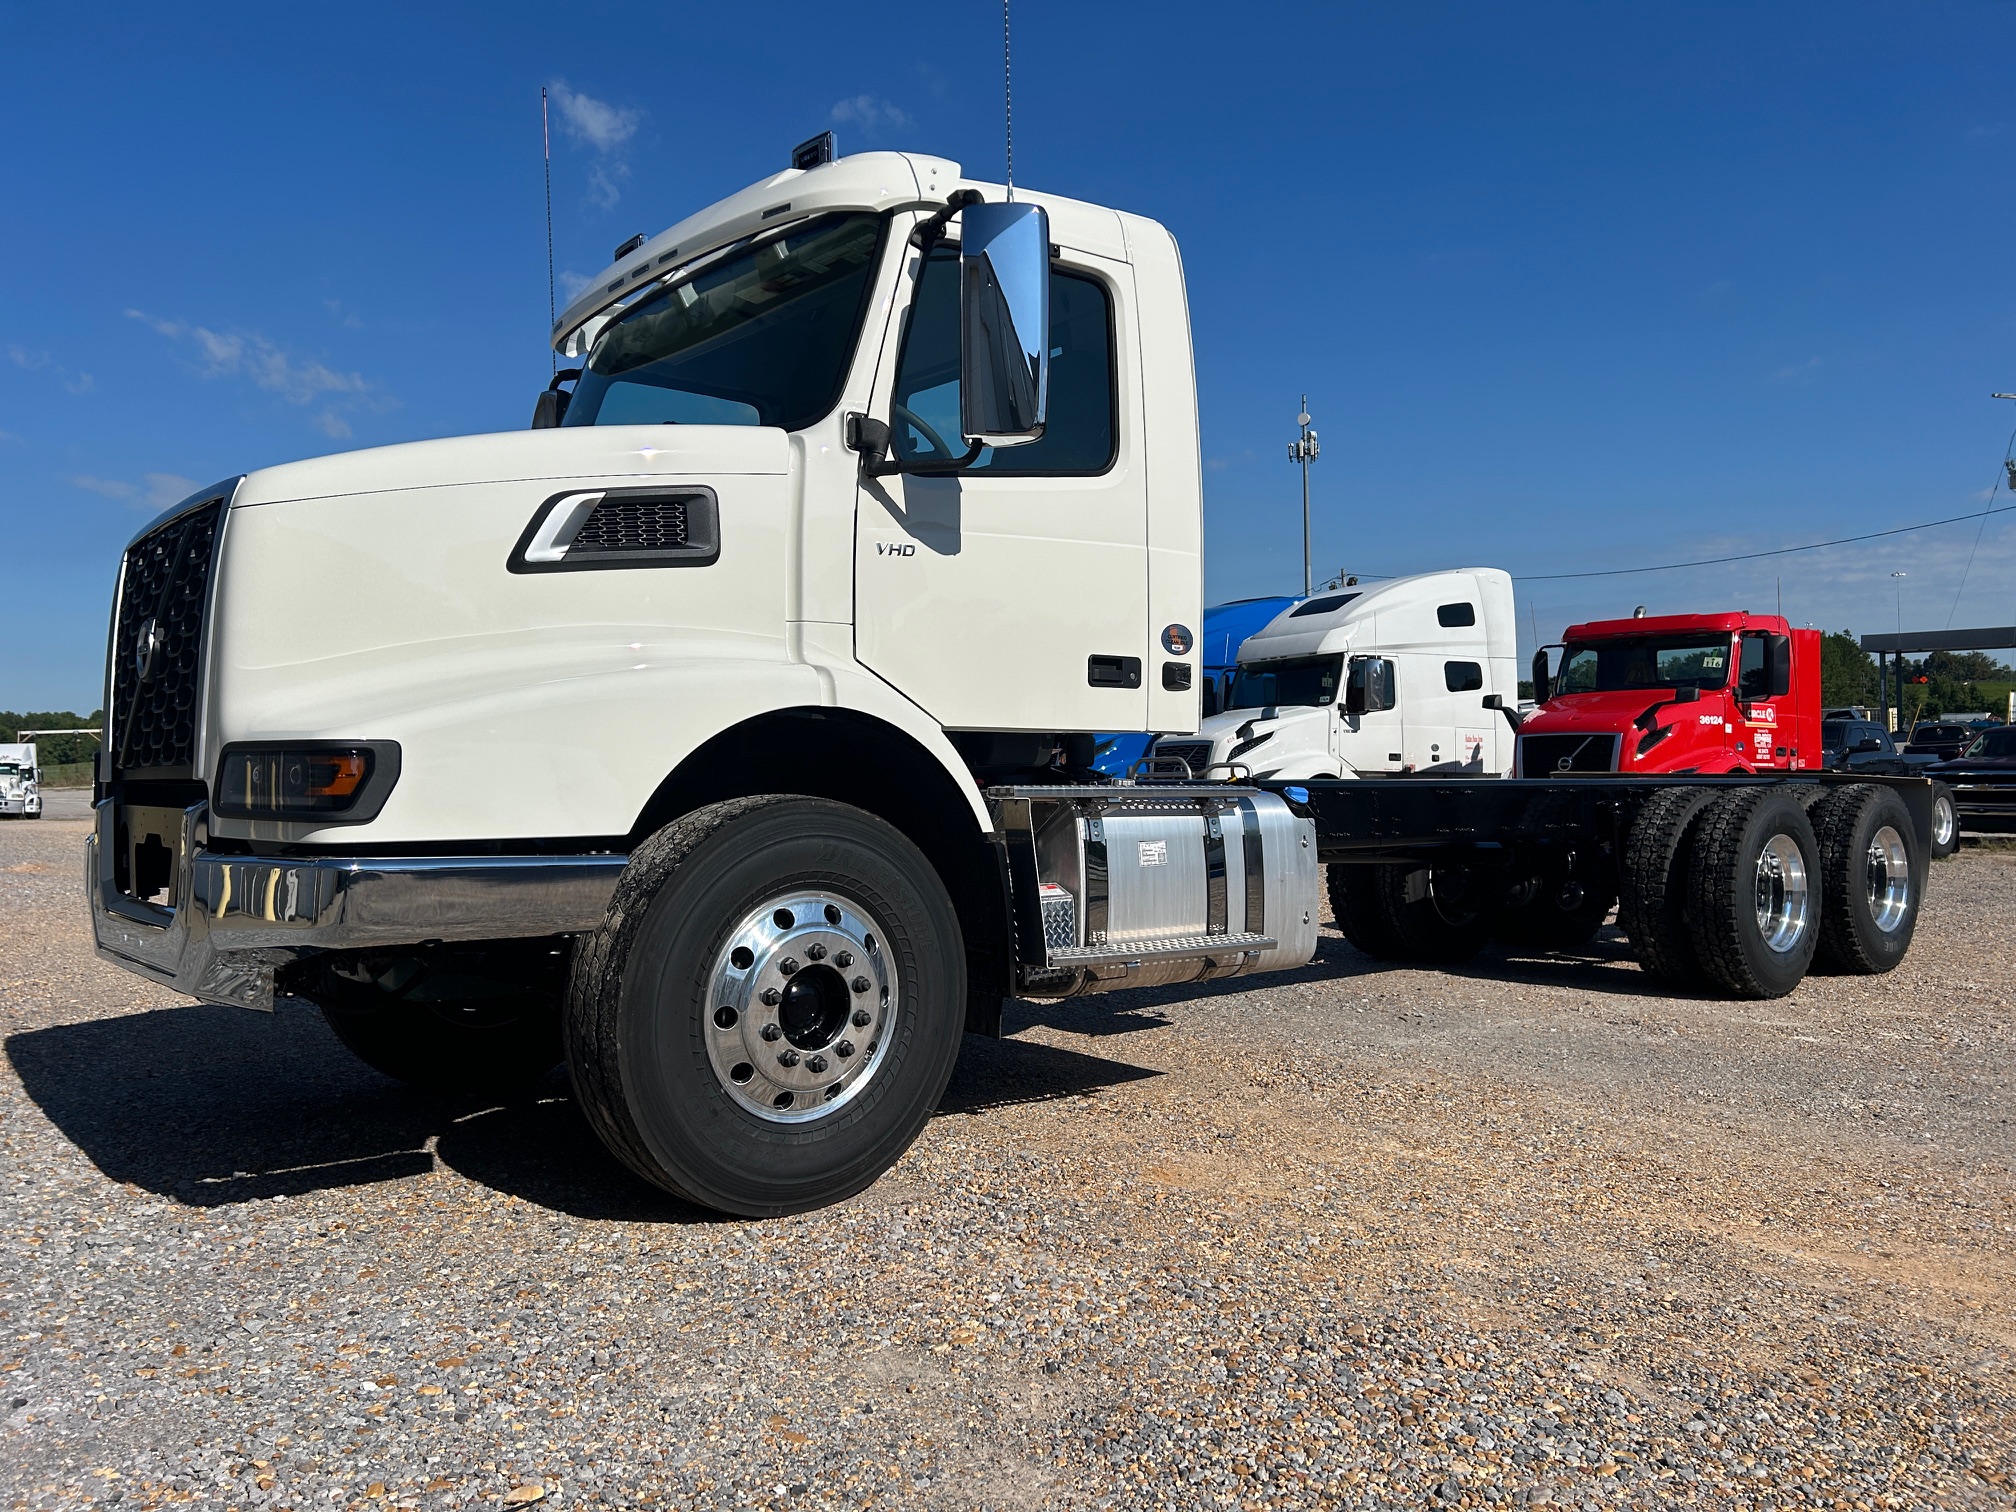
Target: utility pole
{"x": 1305, "y": 450}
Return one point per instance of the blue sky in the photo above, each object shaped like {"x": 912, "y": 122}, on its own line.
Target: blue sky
{"x": 1570, "y": 287}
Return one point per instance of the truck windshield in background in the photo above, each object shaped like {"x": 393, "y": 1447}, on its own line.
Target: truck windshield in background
{"x": 761, "y": 336}
{"x": 1995, "y": 745}
{"x": 1645, "y": 662}
{"x": 1304, "y": 681}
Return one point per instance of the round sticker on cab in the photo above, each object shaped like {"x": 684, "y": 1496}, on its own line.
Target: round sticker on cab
{"x": 1177, "y": 640}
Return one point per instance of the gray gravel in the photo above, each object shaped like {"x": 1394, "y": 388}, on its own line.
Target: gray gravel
{"x": 1362, "y": 1236}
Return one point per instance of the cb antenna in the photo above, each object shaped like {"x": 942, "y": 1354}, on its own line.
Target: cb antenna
{"x": 1008, "y": 97}
{"x": 552, "y": 314}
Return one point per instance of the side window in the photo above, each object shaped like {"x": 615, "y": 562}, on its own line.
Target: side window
{"x": 1449, "y": 616}
{"x": 1078, "y": 433}
{"x": 1462, "y": 677}
{"x": 1755, "y": 677}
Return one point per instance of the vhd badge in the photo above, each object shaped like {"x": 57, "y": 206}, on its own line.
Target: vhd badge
{"x": 1177, "y": 640}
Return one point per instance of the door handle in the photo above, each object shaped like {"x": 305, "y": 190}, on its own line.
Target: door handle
{"x": 1113, "y": 671}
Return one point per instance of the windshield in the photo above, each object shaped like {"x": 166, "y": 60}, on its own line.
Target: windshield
{"x": 1645, "y": 662}
{"x": 1298, "y": 681}
{"x": 1998, "y": 744}
{"x": 760, "y": 337}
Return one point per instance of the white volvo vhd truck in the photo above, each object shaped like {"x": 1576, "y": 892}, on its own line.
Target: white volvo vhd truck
{"x": 1385, "y": 680}
{"x": 875, "y": 494}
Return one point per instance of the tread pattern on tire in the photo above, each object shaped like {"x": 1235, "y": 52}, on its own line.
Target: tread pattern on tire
{"x": 1841, "y": 949}
{"x": 1714, "y": 909}
{"x": 1354, "y": 904}
{"x": 1652, "y": 883}
{"x": 592, "y": 1013}
{"x": 1371, "y": 907}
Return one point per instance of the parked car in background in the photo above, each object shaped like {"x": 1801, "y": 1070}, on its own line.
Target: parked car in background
{"x": 1862, "y": 745}
{"x": 1942, "y": 740}
{"x": 1983, "y": 780}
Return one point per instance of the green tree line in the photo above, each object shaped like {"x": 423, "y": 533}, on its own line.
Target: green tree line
{"x": 1955, "y": 682}
{"x": 54, "y": 750}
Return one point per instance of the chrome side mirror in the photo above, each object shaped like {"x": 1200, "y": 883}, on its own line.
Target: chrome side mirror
{"x": 1004, "y": 323}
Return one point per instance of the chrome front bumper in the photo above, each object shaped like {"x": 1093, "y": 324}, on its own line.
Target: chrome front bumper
{"x": 237, "y": 919}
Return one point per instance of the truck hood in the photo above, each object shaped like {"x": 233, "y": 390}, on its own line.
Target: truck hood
{"x": 562, "y": 455}
{"x": 1235, "y": 727}
{"x": 1575, "y": 713}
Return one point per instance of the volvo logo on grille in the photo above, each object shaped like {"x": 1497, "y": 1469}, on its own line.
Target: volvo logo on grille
{"x": 146, "y": 645}
{"x": 1564, "y": 763}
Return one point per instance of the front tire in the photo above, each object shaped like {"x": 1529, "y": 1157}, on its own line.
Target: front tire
{"x": 454, "y": 1020}
{"x": 772, "y": 1006}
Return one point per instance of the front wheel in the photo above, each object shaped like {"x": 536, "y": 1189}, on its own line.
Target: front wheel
{"x": 772, "y": 1006}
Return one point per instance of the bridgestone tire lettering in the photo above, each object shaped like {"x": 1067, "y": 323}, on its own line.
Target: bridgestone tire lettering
{"x": 636, "y": 1015}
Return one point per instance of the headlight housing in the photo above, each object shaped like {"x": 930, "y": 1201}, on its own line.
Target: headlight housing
{"x": 316, "y": 781}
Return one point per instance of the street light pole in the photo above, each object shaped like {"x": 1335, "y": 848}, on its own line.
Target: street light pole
{"x": 1305, "y": 450}
{"x": 1898, "y": 578}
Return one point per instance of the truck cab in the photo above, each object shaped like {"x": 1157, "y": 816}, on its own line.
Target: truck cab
{"x": 20, "y": 781}
{"x": 1676, "y": 693}
{"x": 1382, "y": 680}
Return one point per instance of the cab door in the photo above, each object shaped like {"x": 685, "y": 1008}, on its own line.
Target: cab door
{"x": 1755, "y": 730}
{"x": 1012, "y": 594}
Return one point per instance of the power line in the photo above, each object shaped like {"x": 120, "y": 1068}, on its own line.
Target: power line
{"x": 1751, "y": 556}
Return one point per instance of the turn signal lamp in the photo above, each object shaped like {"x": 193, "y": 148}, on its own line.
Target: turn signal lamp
{"x": 311, "y": 780}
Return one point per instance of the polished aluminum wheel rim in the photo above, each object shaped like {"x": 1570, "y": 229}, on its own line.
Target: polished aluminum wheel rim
{"x": 1782, "y": 893}
{"x": 1944, "y": 821}
{"x": 799, "y": 998}
{"x": 1889, "y": 879}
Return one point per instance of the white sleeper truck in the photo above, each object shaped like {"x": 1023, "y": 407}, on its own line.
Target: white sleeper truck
{"x": 876, "y": 492}
{"x": 1409, "y": 675}
{"x": 20, "y": 781}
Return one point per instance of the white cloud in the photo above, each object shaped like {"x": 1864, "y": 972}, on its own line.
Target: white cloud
{"x": 23, "y": 358}
{"x": 602, "y": 178}
{"x": 572, "y": 283}
{"x": 335, "y": 308}
{"x": 602, "y": 126}
{"x": 1797, "y": 372}
{"x": 871, "y": 113}
{"x": 77, "y": 383}
{"x": 158, "y": 491}
{"x": 111, "y": 488}
{"x": 297, "y": 380}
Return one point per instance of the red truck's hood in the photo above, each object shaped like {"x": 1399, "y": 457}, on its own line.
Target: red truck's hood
{"x": 1574, "y": 713}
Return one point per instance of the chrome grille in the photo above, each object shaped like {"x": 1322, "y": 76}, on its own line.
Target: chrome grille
{"x": 157, "y": 642}
{"x": 634, "y": 525}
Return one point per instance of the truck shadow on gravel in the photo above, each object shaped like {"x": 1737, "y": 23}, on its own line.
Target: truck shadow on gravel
{"x": 213, "y": 1106}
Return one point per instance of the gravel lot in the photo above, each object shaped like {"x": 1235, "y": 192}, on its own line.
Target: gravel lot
{"x": 1359, "y": 1236}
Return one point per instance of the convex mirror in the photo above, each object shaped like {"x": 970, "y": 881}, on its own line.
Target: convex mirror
{"x": 1004, "y": 323}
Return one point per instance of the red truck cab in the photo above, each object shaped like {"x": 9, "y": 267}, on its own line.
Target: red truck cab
{"x": 1676, "y": 693}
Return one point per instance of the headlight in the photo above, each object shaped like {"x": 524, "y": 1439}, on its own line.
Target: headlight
{"x": 328, "y": 781}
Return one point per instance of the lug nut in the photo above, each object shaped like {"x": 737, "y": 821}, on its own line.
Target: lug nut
{"x": 844, "y": 959}
{"x": 861, "y": 984}
{"x": 816, "y": 952}
{"x": 788, "y": 965}
{"x": 772, "y": 996}
{"x": 861, "y": 1018}
{"x": 773, "y": 1031}
{"x": 816, "y": 1064}
{"x": 844, "y": 1049}
{"x": 788, "y": 1058}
